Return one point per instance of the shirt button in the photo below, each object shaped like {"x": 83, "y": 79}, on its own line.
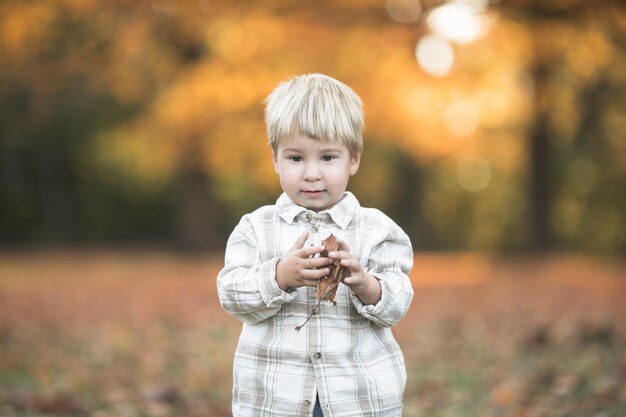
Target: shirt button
{"x": 308, "y": 216}
{"x": 317, "y": 355}
{"x": 307, "y": 403}
{"x": 314, "y": 229}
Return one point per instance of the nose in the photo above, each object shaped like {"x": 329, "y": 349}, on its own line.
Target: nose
{"x": 312, "y": 171}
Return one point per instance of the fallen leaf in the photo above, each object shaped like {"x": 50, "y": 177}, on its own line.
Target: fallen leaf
{"x": 326, "y": 288}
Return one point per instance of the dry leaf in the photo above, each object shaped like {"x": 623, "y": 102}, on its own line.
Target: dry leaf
{"x": 326, "y": 288}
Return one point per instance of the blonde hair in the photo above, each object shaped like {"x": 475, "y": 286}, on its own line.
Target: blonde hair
{"x": 317, "y": 106}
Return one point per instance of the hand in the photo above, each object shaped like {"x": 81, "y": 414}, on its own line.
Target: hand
{"x": 364, "y": 285}
{"x": 298, "y": 268}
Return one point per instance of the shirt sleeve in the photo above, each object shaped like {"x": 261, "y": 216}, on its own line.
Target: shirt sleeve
{"x": 247, "y": 286}
{"x": 390, "y": 263}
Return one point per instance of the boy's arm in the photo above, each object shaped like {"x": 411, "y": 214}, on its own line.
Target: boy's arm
{"x": 389, "y": 262}
{"x": 247, "y": 287}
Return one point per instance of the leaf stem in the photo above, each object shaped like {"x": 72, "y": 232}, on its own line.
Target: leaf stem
{"x": 317, "y": 306}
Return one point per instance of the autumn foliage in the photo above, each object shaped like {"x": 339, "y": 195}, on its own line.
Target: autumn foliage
{"x": 141, "y": 121}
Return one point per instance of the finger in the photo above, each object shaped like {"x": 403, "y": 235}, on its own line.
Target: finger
{"x": 299, "y": 243}
{"x": 314, "y": 274}
{"x": 340, "y": 255}
{"x": 317, "y": 262}
{"x": 343, "y": 245}
{"x": 309, "y": 251}
{"x": 310, "y": 282}
{"x": 349, "y": 280}
{"x": 352, "y": 264}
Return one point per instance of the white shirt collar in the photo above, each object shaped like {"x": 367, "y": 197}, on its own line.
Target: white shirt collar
{"x": 341, "y": 213}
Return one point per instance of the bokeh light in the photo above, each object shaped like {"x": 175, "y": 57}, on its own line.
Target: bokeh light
{"x": 473, "y": 173}
{"x": 459, "y": 21}
{"x": 435, "y": 55}
{"x": 461, "y": 117}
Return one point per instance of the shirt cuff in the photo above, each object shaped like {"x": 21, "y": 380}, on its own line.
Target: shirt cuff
{"x": 371, "y": 309}
{"x": 271, "y": 293}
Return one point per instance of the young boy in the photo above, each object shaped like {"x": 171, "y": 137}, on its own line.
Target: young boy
{"x": 344, "y": 361}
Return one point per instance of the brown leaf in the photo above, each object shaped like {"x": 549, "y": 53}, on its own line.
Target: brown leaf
{"x": 327, "y": 286}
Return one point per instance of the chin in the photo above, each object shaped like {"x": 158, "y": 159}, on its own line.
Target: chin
{"x": 312, "y": 205}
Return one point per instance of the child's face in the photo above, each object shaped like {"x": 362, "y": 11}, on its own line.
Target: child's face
{"x": 314, "y": 173}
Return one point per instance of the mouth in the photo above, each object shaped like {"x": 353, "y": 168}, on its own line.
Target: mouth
{"x": 312, "y": 193}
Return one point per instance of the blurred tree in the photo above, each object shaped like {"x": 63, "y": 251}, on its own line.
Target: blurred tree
{"x": 576, "y": 47}
{"x": 142, "y": 121}
{"x": 571, "y": 41}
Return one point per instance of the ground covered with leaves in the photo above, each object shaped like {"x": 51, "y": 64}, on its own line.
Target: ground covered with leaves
{"x": 142, "y": 334}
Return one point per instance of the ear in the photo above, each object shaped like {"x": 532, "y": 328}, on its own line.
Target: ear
{"x": 275, "y": 161}
{"x": 355, "y": 162}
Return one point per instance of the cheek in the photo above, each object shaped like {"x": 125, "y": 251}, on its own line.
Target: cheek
{"x": 287, "y": 174}
{"x": 339, "y": 176}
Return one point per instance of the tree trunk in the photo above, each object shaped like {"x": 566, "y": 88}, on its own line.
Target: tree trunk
{"x": 57, "y": 210}
{"x": 198, "y": 209}
{"x": 407, "y": 206}
{"x": 539, "y": 202}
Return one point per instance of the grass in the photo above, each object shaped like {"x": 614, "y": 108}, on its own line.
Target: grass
{"x": 142, "y": 334}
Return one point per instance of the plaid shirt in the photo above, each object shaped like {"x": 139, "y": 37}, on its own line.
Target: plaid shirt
{"x": 346, "y": 353}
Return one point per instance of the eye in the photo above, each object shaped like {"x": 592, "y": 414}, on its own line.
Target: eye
{"x": 295, "y": 158}
{"x": 328, "y": 158}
